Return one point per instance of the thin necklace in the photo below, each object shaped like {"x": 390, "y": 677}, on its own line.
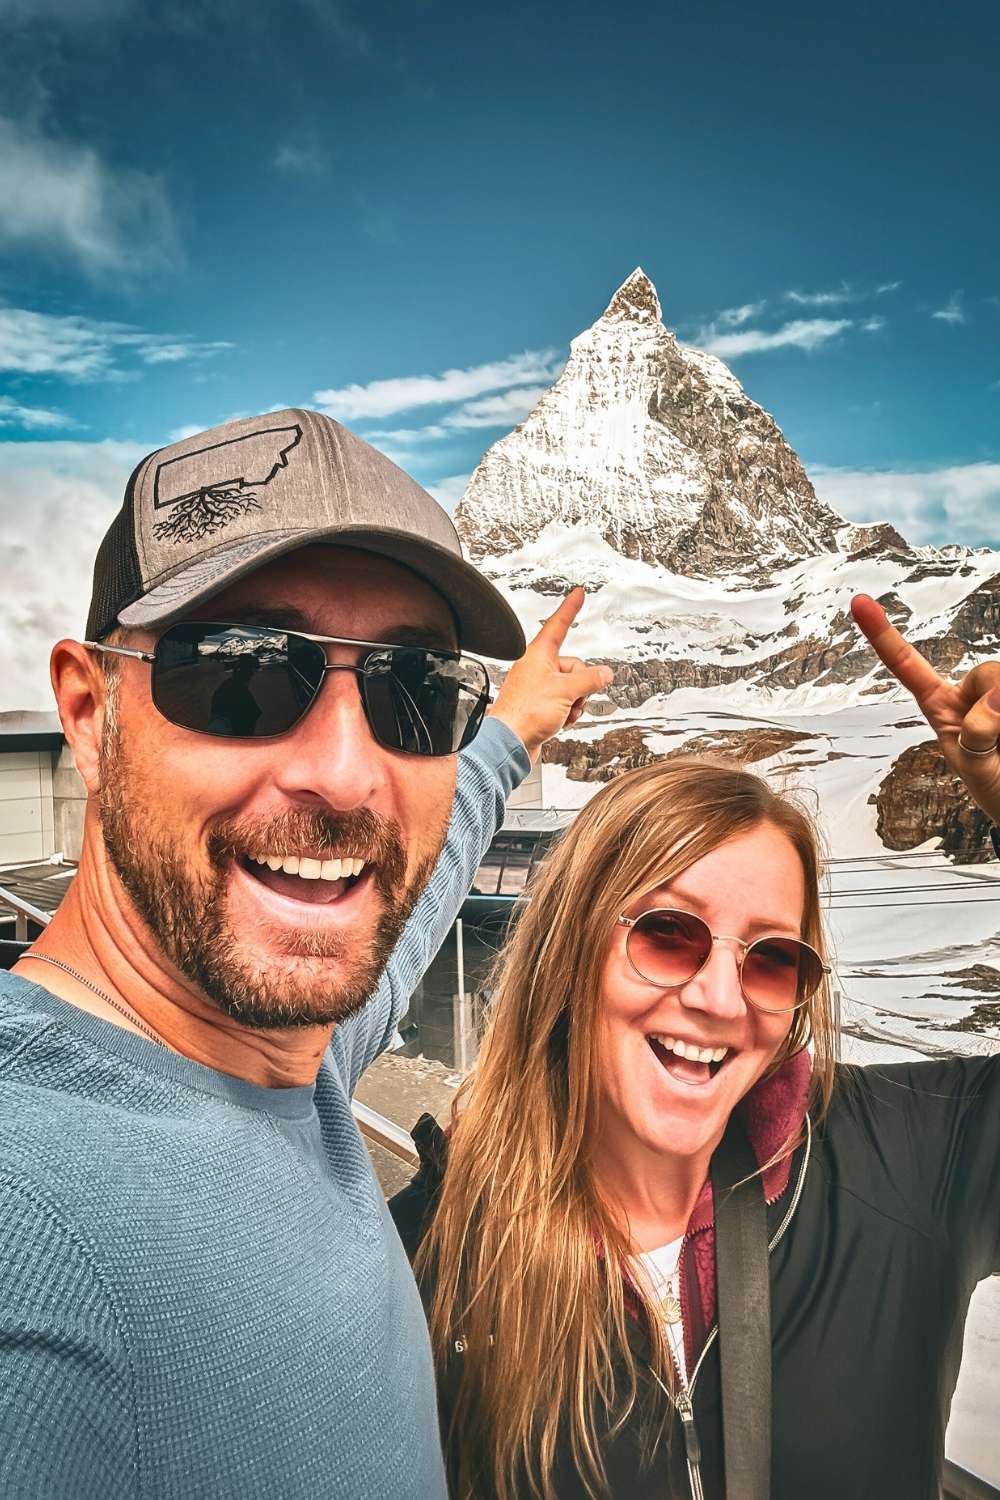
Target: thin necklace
{"x": 44, "y": 958}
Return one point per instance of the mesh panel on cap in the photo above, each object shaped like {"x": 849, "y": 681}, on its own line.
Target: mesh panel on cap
{"x": 117, "y": 579}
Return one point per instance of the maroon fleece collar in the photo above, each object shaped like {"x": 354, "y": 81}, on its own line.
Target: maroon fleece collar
{"x": 773, "y": 1113}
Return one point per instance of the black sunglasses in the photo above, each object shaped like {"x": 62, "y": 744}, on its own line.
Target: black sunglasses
{"x": 250, "y": 682}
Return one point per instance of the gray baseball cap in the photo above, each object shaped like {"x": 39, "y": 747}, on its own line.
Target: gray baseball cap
{"x": 212, "y": 508}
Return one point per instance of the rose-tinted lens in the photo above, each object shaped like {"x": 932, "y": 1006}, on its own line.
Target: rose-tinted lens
{"x": 780, "y": 973}
{"x": 240, "y": 682}
{"x": 668, "y": 947}
{"x": 424, "y": 702}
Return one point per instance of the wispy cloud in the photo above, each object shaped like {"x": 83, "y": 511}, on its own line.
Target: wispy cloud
{"x": 887, "y": 286}
{"x": 736, "y": 317}
{"x": 960, "y": 503}
{"x": 31, "y": 418}
{"x": 384, "y": 398}
{"x": 77, "y": 348}
{"x": 832, "y": 298}
{"x": 952, "y": 312}
{"x": 874, "y": 323}
{"x": 302, "y": 160}
{"x": 56, "y": 498}
{"x": 497, "y": 411}
{"x": 61, "y": 198}
{"x": 803, "y": 333}
{"x": 449, "y": 491}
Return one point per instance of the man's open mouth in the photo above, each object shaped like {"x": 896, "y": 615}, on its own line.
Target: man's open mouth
{"x": 314, "y": 880}
{"x": 686, "y": 1062}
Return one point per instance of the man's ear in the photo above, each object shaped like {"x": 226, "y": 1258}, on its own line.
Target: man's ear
{"x": 81, "y": 692}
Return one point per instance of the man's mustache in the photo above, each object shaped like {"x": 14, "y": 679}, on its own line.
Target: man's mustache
{"x": 360, "y": 833}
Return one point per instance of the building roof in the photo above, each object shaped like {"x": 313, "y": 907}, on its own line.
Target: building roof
{"x": 26, "y": 729}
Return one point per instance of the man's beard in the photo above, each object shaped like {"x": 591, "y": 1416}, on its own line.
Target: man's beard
{"x": 187, "y": 916}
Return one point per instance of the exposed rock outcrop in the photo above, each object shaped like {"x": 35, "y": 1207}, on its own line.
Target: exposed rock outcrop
{"x": 921, "y": 798}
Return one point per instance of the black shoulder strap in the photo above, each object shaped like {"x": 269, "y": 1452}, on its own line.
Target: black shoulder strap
{"x": 744, "y": 1293}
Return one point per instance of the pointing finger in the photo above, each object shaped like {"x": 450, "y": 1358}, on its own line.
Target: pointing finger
{"x": 894, "y": 650}
{"x": 556, "y": 627}
{"x": 582, "y": 680}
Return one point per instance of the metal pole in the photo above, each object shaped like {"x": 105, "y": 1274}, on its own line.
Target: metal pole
{"x": 460, "y": 959}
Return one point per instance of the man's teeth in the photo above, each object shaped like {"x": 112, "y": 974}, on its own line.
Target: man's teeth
{"x": 693, "y": 1054}
{"x": 310, "y": 869}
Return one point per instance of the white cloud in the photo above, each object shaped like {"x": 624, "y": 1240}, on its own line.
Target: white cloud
{"x": 873, "y": 324}
{"x": 887, "y": 286}
{"x": 956, "y": 504}
{"x": 833, "y": 298}
{"x": 497, "y": 411}
{"x": 57, "y": 499}
{"x": 449, "y": 491}
{"x": 77, "y": 348}
{"x": 736, "y": 317}
{"x": 803, "y": 333}
{"x": 383, "y": 398}
{"x": 303, "y": 159}
{"x": 952, "y": 312}
{"x": 60, "y": 197}
{"x": 13, "y": 414}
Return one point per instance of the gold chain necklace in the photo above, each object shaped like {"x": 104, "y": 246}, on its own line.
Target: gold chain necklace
{"x": 88, "y": 984}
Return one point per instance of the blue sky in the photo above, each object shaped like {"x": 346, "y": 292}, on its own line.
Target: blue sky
{"x": 223, "y": 208}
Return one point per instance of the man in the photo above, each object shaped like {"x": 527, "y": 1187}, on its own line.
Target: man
{"x": 202, "y": 1295}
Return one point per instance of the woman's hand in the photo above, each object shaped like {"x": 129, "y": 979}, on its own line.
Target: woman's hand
{"x": 543, "y": 691}
{"x": 965, "y": 716}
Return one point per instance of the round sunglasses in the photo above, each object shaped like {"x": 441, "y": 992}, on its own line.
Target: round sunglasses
{"x": 250, "y": 682}
{"x": 669, "y": 947}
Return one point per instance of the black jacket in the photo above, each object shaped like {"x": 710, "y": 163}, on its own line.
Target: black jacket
{"x": 889, "y": 1218}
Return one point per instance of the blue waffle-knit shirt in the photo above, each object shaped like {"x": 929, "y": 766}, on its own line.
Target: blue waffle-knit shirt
{"x": 202, "y": 1296}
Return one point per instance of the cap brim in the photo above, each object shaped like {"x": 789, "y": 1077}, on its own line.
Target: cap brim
{"x": 487, "y": 624}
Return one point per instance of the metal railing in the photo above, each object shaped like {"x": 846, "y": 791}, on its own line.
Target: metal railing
{"x": 24, "y": 912}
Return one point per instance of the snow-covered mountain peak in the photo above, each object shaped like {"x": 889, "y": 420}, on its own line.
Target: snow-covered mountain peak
{"x": 635, "y": 299}
{"x": 654, "y": 445}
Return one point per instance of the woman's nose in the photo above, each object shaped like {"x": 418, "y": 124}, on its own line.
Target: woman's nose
{"x": 716, "y": 988}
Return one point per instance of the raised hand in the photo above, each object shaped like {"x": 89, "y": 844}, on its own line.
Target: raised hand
{"x": 545, "y": 691}
{"x": 965, "y": 715}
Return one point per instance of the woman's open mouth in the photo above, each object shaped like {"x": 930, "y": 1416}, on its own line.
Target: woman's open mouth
{"x": 316, "y": 882}
{"x": 687, "y": 1063}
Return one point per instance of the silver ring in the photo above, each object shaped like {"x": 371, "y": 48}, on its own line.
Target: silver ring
{"x": 991, "y": 751}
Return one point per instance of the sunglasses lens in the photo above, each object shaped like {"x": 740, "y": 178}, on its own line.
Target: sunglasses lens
{"x": 424, "y": 702}
{"x": 668, "y": 947}
{"x": 781, "y": 973}
{"x": 239, "y": 682}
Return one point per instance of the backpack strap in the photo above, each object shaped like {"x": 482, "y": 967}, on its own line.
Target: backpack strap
{"x": 744, "y": 1296}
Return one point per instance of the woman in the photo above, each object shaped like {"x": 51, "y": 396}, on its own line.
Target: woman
{"x": 669, "y": 971}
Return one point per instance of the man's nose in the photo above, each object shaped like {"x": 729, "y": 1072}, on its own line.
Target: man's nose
{"x": 330, "y": 756}
{"x": 716, "y": 988}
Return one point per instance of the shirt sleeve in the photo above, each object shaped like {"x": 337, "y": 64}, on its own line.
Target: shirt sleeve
{"x": 67, "y": 1427}
{"x": 935, "y": 1128}
{"x": 488, "y": 771}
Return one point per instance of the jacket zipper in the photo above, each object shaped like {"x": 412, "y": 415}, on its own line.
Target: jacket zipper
{"x": 682, "y": 1400}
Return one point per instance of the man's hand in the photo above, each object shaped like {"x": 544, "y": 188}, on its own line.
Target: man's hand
{"x": 544, "y": 691}
{"x": 965, "y": 716}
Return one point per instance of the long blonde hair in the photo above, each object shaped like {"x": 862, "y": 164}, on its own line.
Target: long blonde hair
{"x": 529, "y": 1264}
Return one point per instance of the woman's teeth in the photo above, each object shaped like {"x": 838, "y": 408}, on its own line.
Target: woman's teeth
{"x": 310, "y": 869}
{"x": 685, "y": 1049}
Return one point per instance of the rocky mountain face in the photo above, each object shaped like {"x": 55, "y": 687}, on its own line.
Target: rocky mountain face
{"x": 719, "y": 584}
{"x": 656, "y": 446}
{"x": 921, "y": 791}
